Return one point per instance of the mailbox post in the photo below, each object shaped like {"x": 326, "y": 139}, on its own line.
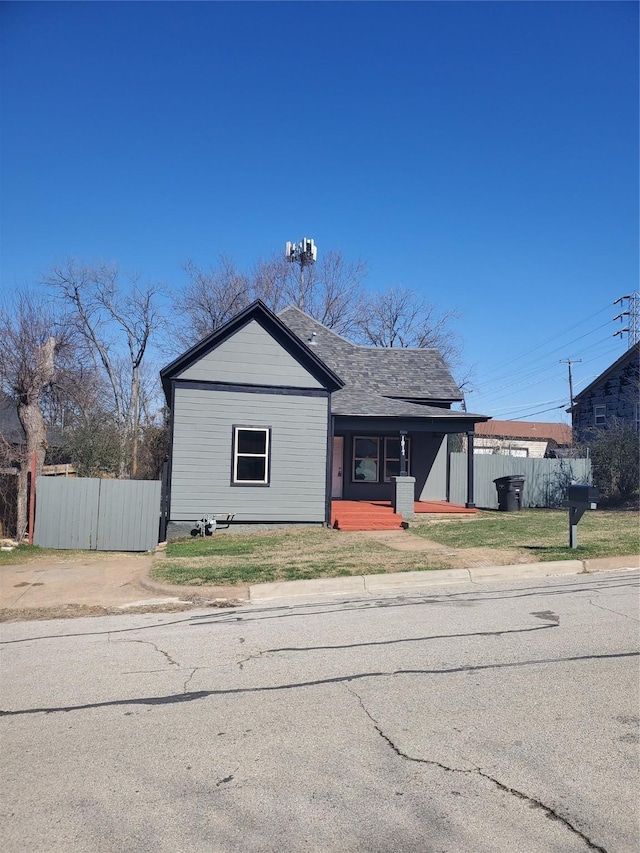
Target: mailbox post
{"x": 581, "y": 498}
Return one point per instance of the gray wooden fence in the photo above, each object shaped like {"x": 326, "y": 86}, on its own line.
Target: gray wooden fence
{"x": 97, "y": 515}
{"x": 545, "y": 480}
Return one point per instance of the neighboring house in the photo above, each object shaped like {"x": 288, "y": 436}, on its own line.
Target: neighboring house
{"x": 272, "y": 417}
{"x": 13, "y": 441}
{"x": 611, "y": 399}
{"x": 521, "y": 438}
{"x": 12, "y": 448}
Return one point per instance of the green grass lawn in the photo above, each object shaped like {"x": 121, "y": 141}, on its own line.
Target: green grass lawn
{"x": 301, "y": 553}
{"x": 298, "y": 553}
{"x": 542, "y": 533}
{"x": 23, "y": 553}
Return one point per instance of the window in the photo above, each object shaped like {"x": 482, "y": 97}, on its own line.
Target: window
{"x": 392, "y": 457}
{"x": 599, "y": 415}
{"x": 366, "y": 453}
{"x": 251, "y": 455}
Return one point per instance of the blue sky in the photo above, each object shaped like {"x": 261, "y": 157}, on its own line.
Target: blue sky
{"x": 483, "y": 154}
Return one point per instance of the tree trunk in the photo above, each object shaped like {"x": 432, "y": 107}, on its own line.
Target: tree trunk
{"x": 36, "y": 432}
{"x": 32, "y": 420}
{"x": 135, "y": 405}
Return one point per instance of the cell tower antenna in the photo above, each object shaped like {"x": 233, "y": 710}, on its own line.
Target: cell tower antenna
{"x": 304, "y": 253}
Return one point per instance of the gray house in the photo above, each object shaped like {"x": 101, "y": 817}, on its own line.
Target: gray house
{"x": 612, "y": 398}
{"x": 273, "y": 417}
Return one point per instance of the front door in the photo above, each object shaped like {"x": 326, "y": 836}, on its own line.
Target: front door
{"x": 336, "y": 470}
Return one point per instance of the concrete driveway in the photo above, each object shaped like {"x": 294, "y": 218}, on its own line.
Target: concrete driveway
{"x": 91, "y": 584}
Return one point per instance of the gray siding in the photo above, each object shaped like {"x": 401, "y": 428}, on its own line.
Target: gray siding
{"x": 545, "y": 480}
{"x": 251, "y": 356}
{"x": 202, "y": 449}
{"x": 92, "y": 514}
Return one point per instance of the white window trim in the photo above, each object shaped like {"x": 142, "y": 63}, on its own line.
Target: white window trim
{"x": 237, "y": 428}
{"x": 600, "y": 414}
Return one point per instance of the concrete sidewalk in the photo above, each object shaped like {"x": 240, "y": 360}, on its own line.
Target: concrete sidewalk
{"x": 407, "y": 581}
{"x": 121, "y": 581}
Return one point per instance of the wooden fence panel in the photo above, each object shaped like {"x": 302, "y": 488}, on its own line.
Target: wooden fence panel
{"x": 546, "y": 481}
{"x": 93, "y": 514}
{"x": 66, "y": 512}
{"x": 129, "y": 515}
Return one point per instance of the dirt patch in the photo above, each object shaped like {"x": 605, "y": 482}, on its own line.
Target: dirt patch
{"x": 447, "y": 556}
{"x": 78, "y": 611}
{"x": 470, "y": 558}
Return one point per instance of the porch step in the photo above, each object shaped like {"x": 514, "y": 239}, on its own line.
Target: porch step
{"x": 379, "y": 515}
{"x": 367, "y": 523}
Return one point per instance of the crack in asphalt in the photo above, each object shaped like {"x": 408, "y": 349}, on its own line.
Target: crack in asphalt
{"x": 406, "y": 640}
{"x": 153, "y": 645}
{"x": 188, "y": 678}
{"x": 617, "y": 612}
{"x": 255, "y": 656}
{"x": 477, "y": 771}
{"x": 300, "y": 610}
{"x": 341, "y": 679}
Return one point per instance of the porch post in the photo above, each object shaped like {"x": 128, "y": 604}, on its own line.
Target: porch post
{"x": 404, "y": 496}
{"x": 403, "y": 453}
{"x": 470, "y": 504}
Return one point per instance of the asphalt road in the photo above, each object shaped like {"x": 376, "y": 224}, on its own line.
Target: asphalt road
{"x": 475, "y": 718}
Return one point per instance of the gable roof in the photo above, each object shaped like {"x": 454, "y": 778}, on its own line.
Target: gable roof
{"x": 633, "y": 353}
{"x": 380, "y": 382}
{"x": 259, "y": 313}
{"x": 532, "y": 431}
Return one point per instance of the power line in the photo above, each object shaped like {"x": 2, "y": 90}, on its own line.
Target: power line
{"x": 526, "y": 353}
{"x": 541, "y": 412}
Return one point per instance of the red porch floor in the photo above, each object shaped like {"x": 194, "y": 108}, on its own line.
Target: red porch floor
{"x": 379, "y": 515}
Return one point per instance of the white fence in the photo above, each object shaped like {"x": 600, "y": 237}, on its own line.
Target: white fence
{"x": 546, "y": 481}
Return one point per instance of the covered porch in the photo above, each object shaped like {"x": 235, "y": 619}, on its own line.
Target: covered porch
{"x": 379, "y": 515}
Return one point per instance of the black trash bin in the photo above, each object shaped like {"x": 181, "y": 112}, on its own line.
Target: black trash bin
{"x": 510, "y": 492}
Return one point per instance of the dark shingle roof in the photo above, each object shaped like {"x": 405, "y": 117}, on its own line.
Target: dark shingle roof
{"x": 379, "y": 382}
{"x": 11, "y": 428}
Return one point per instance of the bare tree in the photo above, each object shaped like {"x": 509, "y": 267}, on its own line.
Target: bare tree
{"x": 210, "y": 298}
{"x": 330, "y": 291}
{"x": 399, "y": 317}
{"x": 32, "y": 338}
{"x": 115, "y": 325}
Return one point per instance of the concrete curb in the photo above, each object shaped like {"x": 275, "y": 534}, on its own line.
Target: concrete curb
{"x": 206, "y": 592}
{"x": 606, "y": 564}
{"x": 405, "y": 581}
{"x": 394, "y": 582}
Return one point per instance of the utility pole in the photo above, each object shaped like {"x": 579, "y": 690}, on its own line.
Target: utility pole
{"x": 569, "y": 362}
{"x": 304, "y": 253}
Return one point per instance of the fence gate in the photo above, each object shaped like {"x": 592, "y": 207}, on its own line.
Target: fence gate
{"x": 97, "y": 515}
